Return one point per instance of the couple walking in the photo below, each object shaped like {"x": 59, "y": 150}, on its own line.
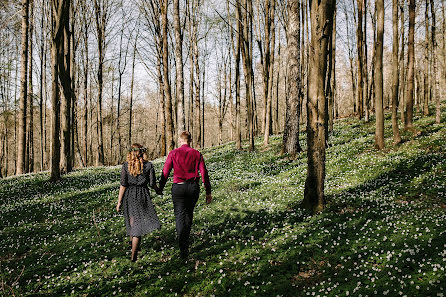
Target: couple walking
{"x": 134, "y": 197}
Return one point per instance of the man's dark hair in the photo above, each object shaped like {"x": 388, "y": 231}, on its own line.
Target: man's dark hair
{"x": 185, "y": 135}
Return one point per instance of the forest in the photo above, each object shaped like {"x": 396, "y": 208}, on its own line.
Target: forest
{"x": 320, "y": 116}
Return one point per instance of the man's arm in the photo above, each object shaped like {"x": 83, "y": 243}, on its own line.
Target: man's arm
{"x": 205, "y": 179}
{"x": 166, "y": 171}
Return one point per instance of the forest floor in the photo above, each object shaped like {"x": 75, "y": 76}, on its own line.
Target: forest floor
{"x": 382, "y": 234}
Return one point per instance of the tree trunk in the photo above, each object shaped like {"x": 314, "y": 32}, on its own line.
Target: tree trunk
{"x": 402, "y": 104}
{"x": 426, "y": 62}
{"x": 86, "y": 66}
{"x": 360, "y": 60}
{"x": 59, "y": 9}
{"x": 101, "y": 17}
{"x": 365, "y": 68}
{"x": 291, "y": 143}
{"x": 131, "y": 91}
{"x": 236, "y": 51}
{"x": 179, "y": 66}
{"x": 21, "y": 146}
{"x": 29, "y": 160}
{"x": 246, "y": 49}
{"x": 395, "y": 74}
{"x": 435, "y": 89}
{"x": 271, "y": 51}
{"x": 410, "y": 66}
{"x": 321, "y": 14}
{"x": 332, "y": 82}
{"x": 168, "y": 102}
{"x": 67, "y": 95}
{"x": 379, "y": 134}
{"x": 42, "y": 71}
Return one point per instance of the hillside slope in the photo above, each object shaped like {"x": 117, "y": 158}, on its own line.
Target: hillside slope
{"x": 382, "y": 233}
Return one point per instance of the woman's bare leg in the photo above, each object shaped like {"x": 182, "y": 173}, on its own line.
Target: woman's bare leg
{"x": 135, "y": 247}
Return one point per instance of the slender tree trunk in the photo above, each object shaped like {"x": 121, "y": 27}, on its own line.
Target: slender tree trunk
{"x": 360, "y": 60}
{"x": 291, "y": 143}
{"x": 131, "y": 91}
{"x": 67, "y": 95}
{"x": 365, "y": 68}
{"x": 179, "y": 66}
{"x": 236, "y": 50}
{"x": 42, "y": 71}
{"x": 426, "y": 62}
{"x": 86, "y": 65}
{"x": 168, "y": 102}
{"x": 321, "y": 13}
{"x": 332, "y": 98}
{"x": 435, "y": 89}
{"x": 395, "y": 74}
{"x": 21, "y": 146}
{"x": 29, "y": 161}
{"x": 58, "y": 11}
{"x": 246, "y": 48}
{"x": 276, "y": 98}
{"x": 101, "y": 17}
{"x": 410, "y": 66}
{"x": 270, "y": 73}
{"x": 403, "y": 69}
{"x": 379, "y": 134}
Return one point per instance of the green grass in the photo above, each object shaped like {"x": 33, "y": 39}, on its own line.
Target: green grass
{"x": 382, "y": 233}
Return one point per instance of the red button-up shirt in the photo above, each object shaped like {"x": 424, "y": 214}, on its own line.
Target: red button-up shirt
{"x": 185, "y": 162}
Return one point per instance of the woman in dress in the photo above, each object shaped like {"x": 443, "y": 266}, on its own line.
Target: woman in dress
{"x": 134, "y": 197}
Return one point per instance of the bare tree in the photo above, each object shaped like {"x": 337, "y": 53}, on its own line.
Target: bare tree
{"x": 395, "y": 74}
{"x": 360, "y": 59}
{"x": 379, "y": 134}
{"x": 410, "y": 66}
{"x": 321, "y": 14}
{"x": 246, "y": 49}
{"x": 167, "y": 90}
{"x": 59, "y": 9}
{"x": 436, "y": 93}
{"x": 179, "y": 66}
{"x": 292, "y": 114}
{"x": 102, "y": 14}
{"x": 29, "y": 160}
{"x": 21, "y": 146}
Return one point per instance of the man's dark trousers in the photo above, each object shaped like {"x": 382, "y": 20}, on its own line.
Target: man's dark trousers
{"x": 184, "y": 196}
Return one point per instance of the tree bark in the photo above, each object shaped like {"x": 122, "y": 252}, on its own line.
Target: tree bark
{"x": 410, "y": 66}
{"x": 58, "y": 10}
{"x": 436, "y": 88}
{"x": 29, "y": 160}
{"x": 67, "y": 95}
{"x": 395, "y": 74}
{"x": 167, "y": 90}
{"x": 21, "y": 146}
{"x": 271, "y": 52}
{"x": 321, "y": 14}
{"x": 131, "y": 91}
{"x": 246, "y": 49}
{"x": 101, "y": 19}
{"x": 426, "y": 62}
{"x": 179, "y": 66}
{"x": 360, "y": 60}
{"x": 291, "y": 143}
{"x": 379, "y": 134}
{"x": 403, "y": 69}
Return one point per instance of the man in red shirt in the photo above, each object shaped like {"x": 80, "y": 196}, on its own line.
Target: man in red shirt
{"x": 186, "y": 162}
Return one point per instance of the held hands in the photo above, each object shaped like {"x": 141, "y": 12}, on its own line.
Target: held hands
{"x": 208, "y": 198}
{"x": 158, "y": 191}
